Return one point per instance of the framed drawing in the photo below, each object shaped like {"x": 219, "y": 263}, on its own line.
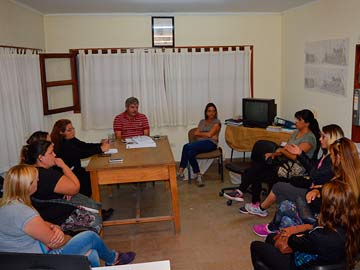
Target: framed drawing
{"x": 163, "y": 32}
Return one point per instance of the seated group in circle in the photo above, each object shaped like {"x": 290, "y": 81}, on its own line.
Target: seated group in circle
{"x": 51, "y": 169}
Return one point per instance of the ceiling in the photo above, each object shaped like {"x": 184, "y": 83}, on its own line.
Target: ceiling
{"x": 48, "y": 7}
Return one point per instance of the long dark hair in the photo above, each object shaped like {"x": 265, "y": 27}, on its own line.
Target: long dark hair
{"x": 56, "y": 136}
{"x": 207, "y": 107}
{"x": 31, "y": 152}
{"x": 340, "y": 209}
{"x": 309, "y": 117}
{"x": 37, "y": 135}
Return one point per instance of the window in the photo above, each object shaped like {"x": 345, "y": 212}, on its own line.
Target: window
{"x": 163, "y": 32}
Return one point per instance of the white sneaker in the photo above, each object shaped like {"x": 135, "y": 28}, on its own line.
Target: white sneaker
{"x": 254, "y": 209}
{"x": 199, "y": 181}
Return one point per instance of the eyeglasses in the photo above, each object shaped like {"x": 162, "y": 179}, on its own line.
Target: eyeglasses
{"x": 70, "y": 129}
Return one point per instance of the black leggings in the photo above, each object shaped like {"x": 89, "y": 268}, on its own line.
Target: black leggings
{"x": 259, "y": 172}
{"x": 265, "y": 256}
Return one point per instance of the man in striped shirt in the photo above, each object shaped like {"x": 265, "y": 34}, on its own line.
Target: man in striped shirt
{"x": 131, "y": 123}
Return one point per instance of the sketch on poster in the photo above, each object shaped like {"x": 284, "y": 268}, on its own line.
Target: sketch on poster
{"x": 326, "y": 66}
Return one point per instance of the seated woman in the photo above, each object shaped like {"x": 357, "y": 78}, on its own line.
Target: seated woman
{"x": 305, "y": 136}
{"x": 52, "y": 183}
{"x": 333, "y": 240}
{"x": 72, "y": 150}
{"x": 319, "y": 173}
{"x": 23, "y": 230}
{"x": 346, "y": 165}
{"x": 207, "y": 135}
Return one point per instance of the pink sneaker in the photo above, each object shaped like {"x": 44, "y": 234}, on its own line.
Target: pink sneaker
{"x": 262, "y": 230}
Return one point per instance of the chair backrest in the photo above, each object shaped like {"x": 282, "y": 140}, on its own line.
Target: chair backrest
{"x": 21, "y": 261}
{"x": 191, "y": 135}
{"x": 260, "y": 148}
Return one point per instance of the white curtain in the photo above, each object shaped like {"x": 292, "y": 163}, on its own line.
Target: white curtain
{"x": 106, "y": 80}
{"x": 196, "y": 78}
{"x": 173, "y": 87}
{"x": 21, "y": 110}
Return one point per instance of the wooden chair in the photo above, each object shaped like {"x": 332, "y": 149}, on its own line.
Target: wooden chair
{"x": 215, "y": 154}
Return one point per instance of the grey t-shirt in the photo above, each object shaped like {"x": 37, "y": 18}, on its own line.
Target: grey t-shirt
{"x": 308, "y": 138}
{"x": 13, "y": 238}
{"x": 205, "y": 127}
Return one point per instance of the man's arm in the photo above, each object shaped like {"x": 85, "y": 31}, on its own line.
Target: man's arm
{"x": 147, "y": 132}
{"x": 118, "y": 134}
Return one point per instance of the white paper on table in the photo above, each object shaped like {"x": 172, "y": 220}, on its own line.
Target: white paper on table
{"x": 139, "y": 142}
{"x": 111, "y": 151}
{"x": 159, "y": 265}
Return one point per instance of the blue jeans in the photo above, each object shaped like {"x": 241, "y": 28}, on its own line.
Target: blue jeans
{"x": 85, "y": 242}
{"x": 190, "y": 150}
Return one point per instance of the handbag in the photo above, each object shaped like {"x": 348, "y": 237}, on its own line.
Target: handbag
{"x": 281, "y": 239}
{"x": 85, "y": 216}
{"x": 289, "y": 169}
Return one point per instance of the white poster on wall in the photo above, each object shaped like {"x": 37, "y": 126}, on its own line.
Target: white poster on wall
{"x": 326, "y": 66}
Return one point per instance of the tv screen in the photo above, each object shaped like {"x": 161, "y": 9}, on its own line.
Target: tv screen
{"x": 258, "y": 112}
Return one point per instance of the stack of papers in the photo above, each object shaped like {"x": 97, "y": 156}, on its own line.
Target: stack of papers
{"x": 139, "y": 142}
{"x": 273, "y": 128}
{"x": 233, "y": 122}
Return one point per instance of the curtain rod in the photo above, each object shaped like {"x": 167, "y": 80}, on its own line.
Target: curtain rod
{"x": 21, "y": 48}
{"x": 174, "y": 49}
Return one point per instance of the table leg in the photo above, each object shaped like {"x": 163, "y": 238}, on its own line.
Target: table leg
{"x": 174, "y": 197}
{"x": 95, "y": 186}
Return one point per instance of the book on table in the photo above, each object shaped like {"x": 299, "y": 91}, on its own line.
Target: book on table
{"x": 139, "y": 142}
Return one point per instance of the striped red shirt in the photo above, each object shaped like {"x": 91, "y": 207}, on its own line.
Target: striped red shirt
{"x": 131, "y": 126}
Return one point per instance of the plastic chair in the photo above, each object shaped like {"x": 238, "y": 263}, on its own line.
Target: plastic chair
{"x": 215, "y": 154}
{"x": 258, "y": 152}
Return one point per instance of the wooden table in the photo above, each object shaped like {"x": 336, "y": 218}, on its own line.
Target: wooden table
{"x": 242, "y": 139}
{"x": 139, "y": 165}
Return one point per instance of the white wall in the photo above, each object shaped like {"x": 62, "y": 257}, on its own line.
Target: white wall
{"x": 20, "y": 27}
{"x": 261, "y": 30}
{"x": 323, "y": 20}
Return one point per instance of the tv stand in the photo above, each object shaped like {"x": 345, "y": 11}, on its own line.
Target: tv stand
{"x": 242, "y": 139}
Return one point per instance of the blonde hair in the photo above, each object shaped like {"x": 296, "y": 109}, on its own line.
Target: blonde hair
{"x": 334, "y": 132}
{"x": 17, "y": 184}
{"x": 346, "y": 163}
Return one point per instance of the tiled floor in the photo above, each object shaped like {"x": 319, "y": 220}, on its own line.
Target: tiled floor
{"x": 213, "y": 235}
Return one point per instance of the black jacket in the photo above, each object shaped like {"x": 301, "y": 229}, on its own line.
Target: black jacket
{"x": 328, "y": 245}
{"x": 318, "y": 176}
{"x": 73, "y": 150}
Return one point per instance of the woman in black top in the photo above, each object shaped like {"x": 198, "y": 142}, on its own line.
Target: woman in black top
{"x": 335, "y": 239}
{"x": 72, "y": 150}
{"x": 52, "y": 184}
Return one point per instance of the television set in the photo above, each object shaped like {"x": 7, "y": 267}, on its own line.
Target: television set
{"x": 258, "y": 112}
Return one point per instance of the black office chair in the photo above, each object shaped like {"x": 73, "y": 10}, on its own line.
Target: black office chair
{"x": 258, "y": 152}
{"x": 21, "y": 261}
{"x": 339, "y": 266}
